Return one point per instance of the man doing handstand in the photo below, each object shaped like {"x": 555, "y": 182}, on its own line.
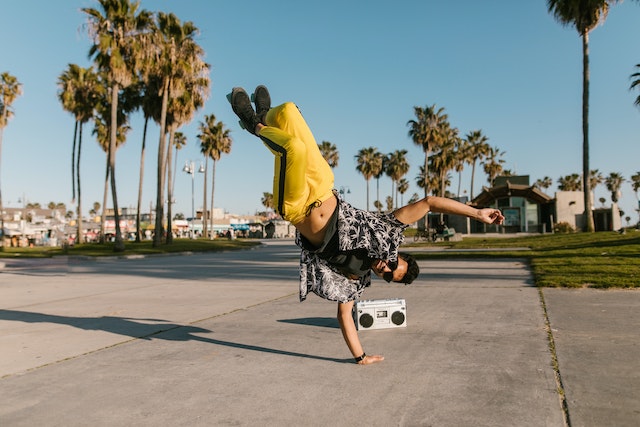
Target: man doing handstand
{"x": 340, "y": 245}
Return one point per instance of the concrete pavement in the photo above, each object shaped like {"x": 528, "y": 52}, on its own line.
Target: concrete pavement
{"x": 221, "y": 339}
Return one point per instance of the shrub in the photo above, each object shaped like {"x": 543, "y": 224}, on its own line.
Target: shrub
{"x": 563, "y": 227}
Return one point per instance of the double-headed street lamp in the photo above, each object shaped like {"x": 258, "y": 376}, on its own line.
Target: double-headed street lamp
{"x": 190, "y": 168}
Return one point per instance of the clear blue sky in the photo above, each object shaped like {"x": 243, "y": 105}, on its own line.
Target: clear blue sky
{"x": 356, "y": 69}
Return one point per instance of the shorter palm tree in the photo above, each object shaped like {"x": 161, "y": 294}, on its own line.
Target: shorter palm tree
{"x": 613, "y": 183}
{"x": 330, "y": 153}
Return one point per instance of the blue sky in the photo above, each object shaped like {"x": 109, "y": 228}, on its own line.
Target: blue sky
{"x": 356, "y": 69}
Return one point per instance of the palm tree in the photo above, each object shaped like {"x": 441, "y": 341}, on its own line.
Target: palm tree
{"x": 425, "y": 132}
{"x": 10, "y": 90}
{"x": 267, "y": 200}
{"x": 214, "y": 141}
{"x": 445, "y": 160}
{"x": 79, "y": 93}
{"x": 570, "y": 182}
{"x": 397, "y": 167}
{"x": 478, "y": 150}
{"x": 462, "y": 157}
{"x": 544, "y": 183}
{"x": 614, "y": 182}
{"x": 493, "y": 164}
{"x": 584, "y": 16}
{"x": 174, "y": 59}
{"x": 330, "y": 153}
{"x": 403, "y": 186}
{"x": 116, "y": 35}
{"x": 369, "y": 164}
{"x": 636, "y": 84}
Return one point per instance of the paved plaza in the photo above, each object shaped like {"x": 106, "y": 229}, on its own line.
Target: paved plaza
{"x": 220, "y": 339}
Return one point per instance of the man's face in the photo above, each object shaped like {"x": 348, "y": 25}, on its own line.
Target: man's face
{"x": 387, "y": 271}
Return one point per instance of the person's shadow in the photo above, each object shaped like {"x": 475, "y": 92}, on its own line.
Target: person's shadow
{"x": 147, "y": 329}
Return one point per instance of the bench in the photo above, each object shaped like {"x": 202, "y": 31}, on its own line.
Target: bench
{"x": 446, "y": 234}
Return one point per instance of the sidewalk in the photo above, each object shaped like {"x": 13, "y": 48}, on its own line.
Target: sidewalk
{"x": 221, "y": 339}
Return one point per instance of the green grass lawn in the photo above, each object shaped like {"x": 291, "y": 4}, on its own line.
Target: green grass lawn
{"x": 599, "y": 260}
{"x": 131, "y": 248}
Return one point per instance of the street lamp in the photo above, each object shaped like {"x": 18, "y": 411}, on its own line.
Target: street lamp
{"x": 190, "y": 168}
{"x": 343, "y": 191}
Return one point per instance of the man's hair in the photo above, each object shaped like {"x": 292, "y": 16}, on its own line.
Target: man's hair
{"x": 412, "y": 268}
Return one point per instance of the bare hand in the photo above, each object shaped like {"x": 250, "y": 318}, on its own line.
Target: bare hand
{"x": 491, "y": 216}
{"x": 368, "y": 360}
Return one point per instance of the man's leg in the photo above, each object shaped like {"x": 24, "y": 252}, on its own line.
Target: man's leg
{"x": 302, "y": 176}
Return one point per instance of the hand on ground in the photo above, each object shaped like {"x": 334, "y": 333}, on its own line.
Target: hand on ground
{"x": 368, "y": 360}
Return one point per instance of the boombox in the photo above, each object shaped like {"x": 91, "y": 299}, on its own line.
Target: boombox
{"x": 380, "y": 314}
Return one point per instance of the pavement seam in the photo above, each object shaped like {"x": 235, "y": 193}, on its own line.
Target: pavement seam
{"x": 554, "y": 361}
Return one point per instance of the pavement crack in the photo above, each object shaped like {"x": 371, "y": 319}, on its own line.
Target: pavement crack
{"x": 554, "y": 361}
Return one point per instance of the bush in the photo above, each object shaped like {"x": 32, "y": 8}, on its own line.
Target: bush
{"x": 563, "y": 227}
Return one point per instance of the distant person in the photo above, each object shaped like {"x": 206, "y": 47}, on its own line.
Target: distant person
{"x": 340, "y": 245}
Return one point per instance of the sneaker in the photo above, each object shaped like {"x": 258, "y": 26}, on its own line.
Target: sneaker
{"x": 262, "y": 101}
{"x": 241, "y": 105}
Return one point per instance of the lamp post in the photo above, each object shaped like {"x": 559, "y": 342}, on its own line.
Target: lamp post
{"x": 190, "y": 168}
{"x": 343, "y": 191}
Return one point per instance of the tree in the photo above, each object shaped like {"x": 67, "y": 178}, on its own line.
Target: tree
{"x": 636, "y": 84}
{"x": 478, "y": 150}
{"x": 10, "y": 90}
{"x": 544, "y": 183}
{"x": 445, "y": 159}
{"x": 175, "y": 61}
{"x": 584, "y": 16}
{"x": 493, "y": 164}
{"x": 571, "y": 182}
{"x": 369, "y": 164}
{"x": 635, "y": 185}
{"x": 426, "y": 132}
{"x": 402, "y": 187}
{"x": 117, "y": 34}
{"x": 613, "y": 183}
{"x": 397, "y": 167}
{"x": 267, "y": 200}
{"x": 79, "y": 92}
{"x": 214, "y": 141}
{"x": 330, "y": 153}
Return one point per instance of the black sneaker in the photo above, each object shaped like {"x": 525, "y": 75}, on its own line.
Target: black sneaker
{"x": 262, "y": 101}
{"x": 241, "y": 105}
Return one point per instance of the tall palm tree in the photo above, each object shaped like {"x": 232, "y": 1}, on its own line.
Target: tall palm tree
{"x": 462, "y": 158}
{"x": 403, "y": 186}
{"x": 478, "y": 150}
{"x": 116, "y": 31}
{"x": 425, "y": 131}
{"x": 10, "y": 90}
{"x": 584, "y": 16}
{"x": 79, "y": 93}
{"x": 176, "y": 61}
{"x": 369, "y": 164}
{"x": 493, "y": 164}
{"x": 214, "y": 141}
{"x": 636, "y": 84}
{"x": 330, "y": 153}
{"x": 614, "y": 182}
{"x": 571, "y": 182}
{"x": 444, "y": 160}
{"x": 397, "y": 167}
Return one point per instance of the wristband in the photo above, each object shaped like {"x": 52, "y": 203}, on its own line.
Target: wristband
{"x": 361, "y": 358}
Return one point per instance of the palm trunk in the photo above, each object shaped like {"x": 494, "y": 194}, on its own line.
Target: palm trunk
{"x": 159, "y": 230}
{"x": 169, "y": 186}
{"x": 73, "y": 162}
{"x": 585, "y": 133}
{"x": 205, "y": 217}
{"x": 213, "y": 182}
{"x": 103, "y": 222}
{"x": 119, "y": 244}
{"x": 473, "y": 173}
{"x": 139, "y": 205}
{"x": 79, "y": 235}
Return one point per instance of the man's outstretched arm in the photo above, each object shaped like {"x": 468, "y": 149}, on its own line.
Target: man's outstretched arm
{"x": 350, "y": 334}
{"x": 413, "y": 212}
